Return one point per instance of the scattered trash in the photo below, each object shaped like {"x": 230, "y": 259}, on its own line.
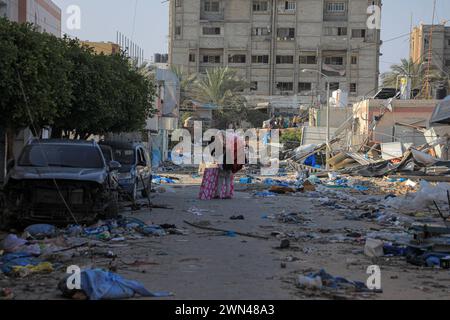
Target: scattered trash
{"x": 240, "y": 217}
{"x": 41, "y": 231}
{"x": 97, "y": 284}
{"x": 373, "y": 248}
{"x": 322, "y": 280}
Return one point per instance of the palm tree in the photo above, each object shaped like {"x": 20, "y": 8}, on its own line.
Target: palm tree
{"x": 222, "y": 88}
{"x": 218, "y": 86}
{"x": 417, "y": 71}
{"x": 186, "y": 80}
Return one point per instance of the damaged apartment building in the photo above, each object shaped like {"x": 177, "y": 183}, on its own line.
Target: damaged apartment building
{"x": 280, "y": 47}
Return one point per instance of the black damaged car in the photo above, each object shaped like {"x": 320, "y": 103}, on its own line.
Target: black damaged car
{"x": 61, "y": 182}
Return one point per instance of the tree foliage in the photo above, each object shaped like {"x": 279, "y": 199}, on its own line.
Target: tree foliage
{"x": 417, "y": 71}
{"x": 34, "y": 83}
{"x": 45, "y": 80}
{"x": 222, "y": 89}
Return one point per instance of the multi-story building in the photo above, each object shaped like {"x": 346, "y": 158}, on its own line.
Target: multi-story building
{"x": 43, "y": 13}
{"x": 272, "y": 42}
{"x": 439, "y": 38}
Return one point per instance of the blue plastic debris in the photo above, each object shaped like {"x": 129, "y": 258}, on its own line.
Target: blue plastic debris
{"x": 246, "y": 180}
{"x": 230, "y": 234}
{"x": 265, "y": 194}
{"x": 361, "y": 188}
{"x": 330, "y": 282}
{"x": 41, "y": 231}
{"x": 103, "y": 285}
{"x": 159, "y": 180}
{"x": 22, "y": 259}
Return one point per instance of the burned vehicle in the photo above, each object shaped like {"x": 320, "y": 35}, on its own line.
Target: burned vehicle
{"x": 61, "y": 181}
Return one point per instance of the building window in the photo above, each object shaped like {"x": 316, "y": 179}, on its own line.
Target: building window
{"x": 353, "y": 88}
{"x": 211, "y": 59}
{"x": 285, "y": 86}
{"x": 285, "y": 59}
{"x": 286, "y": 33}
{"x": 308, "y": 60}
{"x": 260, "y": 59}
{"x": 290, "y": 5}
{"x": 254, "y": 86}
{"x": 304, "y": 86}
{"x": 358, "y": 33}
{"x": 211, "y": 31}
{"x": 335, "y": 31}
{"x": 260, "y": 6}
{"x": 333, "y": 86}
{"x": 260, "y": 31}
{"x": 178, "y": 31}
{"x": 211, "y": 6}
{"x": 447, "y": 63}
{"x": 191, "y": 57}
{"x": 334, "y": 61}
{"x": 354, "y": 60}
{"x": 237, "y": 58}
{"x": 178, "y": 3}
{"x": 448, "y": 42}
{"x": 336, "y": 7}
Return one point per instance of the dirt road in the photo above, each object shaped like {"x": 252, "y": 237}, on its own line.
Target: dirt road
{"x": 202, "y": 264}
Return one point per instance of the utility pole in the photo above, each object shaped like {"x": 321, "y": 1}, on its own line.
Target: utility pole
{"x": 426, "y": 90}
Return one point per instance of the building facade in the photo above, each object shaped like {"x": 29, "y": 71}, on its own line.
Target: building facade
{"x": 440, "y": 46}
{"x": 43, "y": 13}
{"x": 272, "y": 42}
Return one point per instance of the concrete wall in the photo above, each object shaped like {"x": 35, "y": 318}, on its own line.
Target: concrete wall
{"x": 409, "y": 112}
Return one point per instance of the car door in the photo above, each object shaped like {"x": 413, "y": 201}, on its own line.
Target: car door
{"x": 141, "y": 168}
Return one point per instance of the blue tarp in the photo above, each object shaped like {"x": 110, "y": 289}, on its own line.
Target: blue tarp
{"x": 103, "y": 285}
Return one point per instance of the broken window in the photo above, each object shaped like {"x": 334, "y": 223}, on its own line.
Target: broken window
{"x": 285, "y": 59}
{"x": 304, "y": 86}
{"x": 211, "y": 6}
{"x": 259, "y": 6}
{"x": 286, "y": 32}
{"x": 335, "y": 31}
{"x": 211, "y": 59}
{"x": 211, "y": 30}
{"x": 237, "y": 58}
{"x": 260, "y": 31}
{"x": 260, "y": 59}
{"x": 285, "y": 86}
{"x": 334, "y": 61}
{"x": 358, "y": 33}
{"x": 308, "y": 59}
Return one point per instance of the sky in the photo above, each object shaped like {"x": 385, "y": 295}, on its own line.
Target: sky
{"x": 146, "y": 22}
